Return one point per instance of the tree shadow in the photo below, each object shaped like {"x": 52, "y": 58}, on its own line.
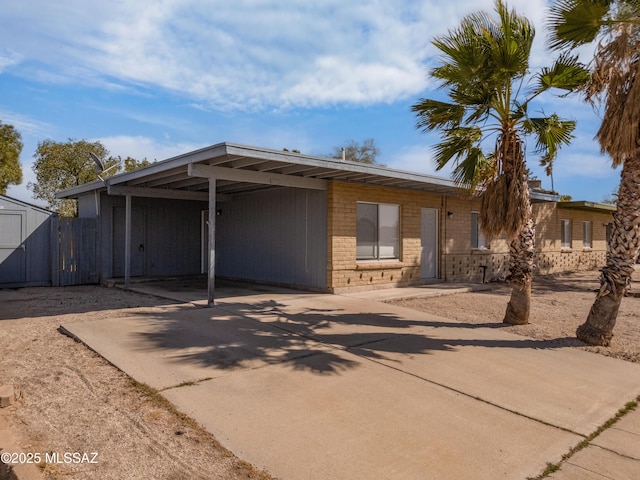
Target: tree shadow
{"x": 236, "y": 336}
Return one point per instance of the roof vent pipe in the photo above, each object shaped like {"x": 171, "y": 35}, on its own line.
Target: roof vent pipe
{"x": 344, "y": 154}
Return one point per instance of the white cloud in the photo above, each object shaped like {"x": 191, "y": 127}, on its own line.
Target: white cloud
{"x": 249, "y": 54}
{"x": 8, "y": 58}
{"x": 26, "y": 125}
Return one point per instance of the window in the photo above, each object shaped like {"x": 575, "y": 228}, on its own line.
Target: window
{"x": 586, "y": 237}
{"x": 478, "y": 239}
{"x": 377, "y": 231}
{"x": 565, "y": 233}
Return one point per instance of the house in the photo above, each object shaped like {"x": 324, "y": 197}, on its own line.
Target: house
{"x": 313, "y": 222}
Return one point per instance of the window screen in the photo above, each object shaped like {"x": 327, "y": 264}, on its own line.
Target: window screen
{"x": 478, "y": 239}
{"x": 377, "y": 231}
{"x": 367, "y": 231}
{"x": 565, "y": 233}
{"x": 586, "y": 238}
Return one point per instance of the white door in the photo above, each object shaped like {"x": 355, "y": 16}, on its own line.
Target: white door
{"x": 429, "y": 235}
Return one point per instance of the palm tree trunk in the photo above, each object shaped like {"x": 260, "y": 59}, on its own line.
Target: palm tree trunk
{"x": 621, "y": 257}
{"x": 521, "y": 254}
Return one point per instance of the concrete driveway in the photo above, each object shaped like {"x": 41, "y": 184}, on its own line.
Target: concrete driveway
{"x": 312, "y": 386}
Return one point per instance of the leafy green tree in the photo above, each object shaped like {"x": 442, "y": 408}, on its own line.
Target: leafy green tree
{"x": 59, "y": 166}
{"x": 10, "y": 148}
{"x": 131, "y": 164}
{"x": 484, "y": 69}
{"x": 614, "y": 26}
{"x": 356, "y": 152}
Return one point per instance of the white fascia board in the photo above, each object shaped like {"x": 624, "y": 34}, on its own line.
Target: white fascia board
{"x": 326, "y": 162}
{"x": 75, "y": 192}
{"x": 250, "y": 176}
{"x": 158, "y": 193}
{"x": 207, "y": 153}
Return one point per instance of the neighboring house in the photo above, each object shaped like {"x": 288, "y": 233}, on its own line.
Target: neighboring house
{"x": 26, "y": 235}
{"x": 314, "y": 222}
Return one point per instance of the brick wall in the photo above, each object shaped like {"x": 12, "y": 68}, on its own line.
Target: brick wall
{"x": 551, "y": 256}
{"x": 344, "y": 272}
{"x": 457, "y": 260}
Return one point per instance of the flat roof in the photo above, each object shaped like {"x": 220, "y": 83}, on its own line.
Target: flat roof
{"x": 590, "y": 206}
{"x": 172, "y": 174}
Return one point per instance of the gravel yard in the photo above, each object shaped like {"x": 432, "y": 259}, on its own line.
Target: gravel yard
{"x": 559, "y": 305}
{"x": 74, "y": 401}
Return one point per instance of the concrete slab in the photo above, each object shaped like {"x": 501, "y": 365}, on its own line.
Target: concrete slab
{"x": 366, "y": 421}
{"x": 595, "y": 463}
{"x": 429, "y": 290}
{"x": 194, "y": 290}
{"x": 330, "y": 386}
{"x": 623, "y": 437}
{"x": 165, "y": 350}
{"x": 565, "y": 387}
{"x": 332, "y": 319}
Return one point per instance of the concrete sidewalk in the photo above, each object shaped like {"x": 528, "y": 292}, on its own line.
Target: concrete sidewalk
{"x": 313, "y": 386}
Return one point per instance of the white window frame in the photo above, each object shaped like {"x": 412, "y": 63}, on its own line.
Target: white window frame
{"x": 565, "y": 233}
{"x": 587, "y": 234}
{"x": 381, "y": 244}
{"x": 478, "y": 239}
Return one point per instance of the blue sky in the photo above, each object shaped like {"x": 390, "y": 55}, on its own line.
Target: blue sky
{"x": 156, "y": 78}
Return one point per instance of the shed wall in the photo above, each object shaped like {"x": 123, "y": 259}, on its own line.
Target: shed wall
{"x": 25, "y": 244}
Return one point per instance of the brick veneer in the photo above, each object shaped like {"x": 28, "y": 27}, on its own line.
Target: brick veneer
{"x": 457, "y": 260}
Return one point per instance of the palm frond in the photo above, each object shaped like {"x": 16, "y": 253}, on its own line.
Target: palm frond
{"x": 566, "y": 73}
{"x": 576, "y": 22}
{"x": 456, "y": 145}
{"x": 472, "y": 169}
{"x": 433, "y": 114}
{"x": 551, "y": 133}
{"x": 510, "y": 45}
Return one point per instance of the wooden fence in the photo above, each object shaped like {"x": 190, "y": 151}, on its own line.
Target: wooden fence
{"x": 77, "y": 252}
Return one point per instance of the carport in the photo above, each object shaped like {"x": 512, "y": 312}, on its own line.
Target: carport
{"x": 291, "y": 187}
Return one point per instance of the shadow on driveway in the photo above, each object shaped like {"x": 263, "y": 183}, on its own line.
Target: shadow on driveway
{"x": 238, "y": 335}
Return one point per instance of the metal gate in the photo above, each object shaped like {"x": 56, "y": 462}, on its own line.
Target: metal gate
{"x": 77, "y": 251}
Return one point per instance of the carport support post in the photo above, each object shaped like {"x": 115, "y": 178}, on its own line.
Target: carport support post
{"x": 212, "y": 240}
{"x": 127, "y": 240}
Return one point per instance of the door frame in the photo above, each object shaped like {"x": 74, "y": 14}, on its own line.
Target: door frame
{"x": 435, "y": 247}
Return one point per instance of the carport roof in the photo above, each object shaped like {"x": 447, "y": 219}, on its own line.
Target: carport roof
{"x": 170, "y": 178}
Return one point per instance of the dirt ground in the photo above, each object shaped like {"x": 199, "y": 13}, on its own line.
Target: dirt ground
{"x": 74, "y": 401}
{"x": 559, "y": 305}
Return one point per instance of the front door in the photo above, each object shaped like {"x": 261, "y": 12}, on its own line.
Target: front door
{"x": 429, "y": 234}
{"x": 13, "y": 266}
{"x": 138, "y": 241}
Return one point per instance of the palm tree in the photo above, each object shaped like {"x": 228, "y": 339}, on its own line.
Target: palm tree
{"x": 614, "y": 81}
{"x": 485, "y": 68}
